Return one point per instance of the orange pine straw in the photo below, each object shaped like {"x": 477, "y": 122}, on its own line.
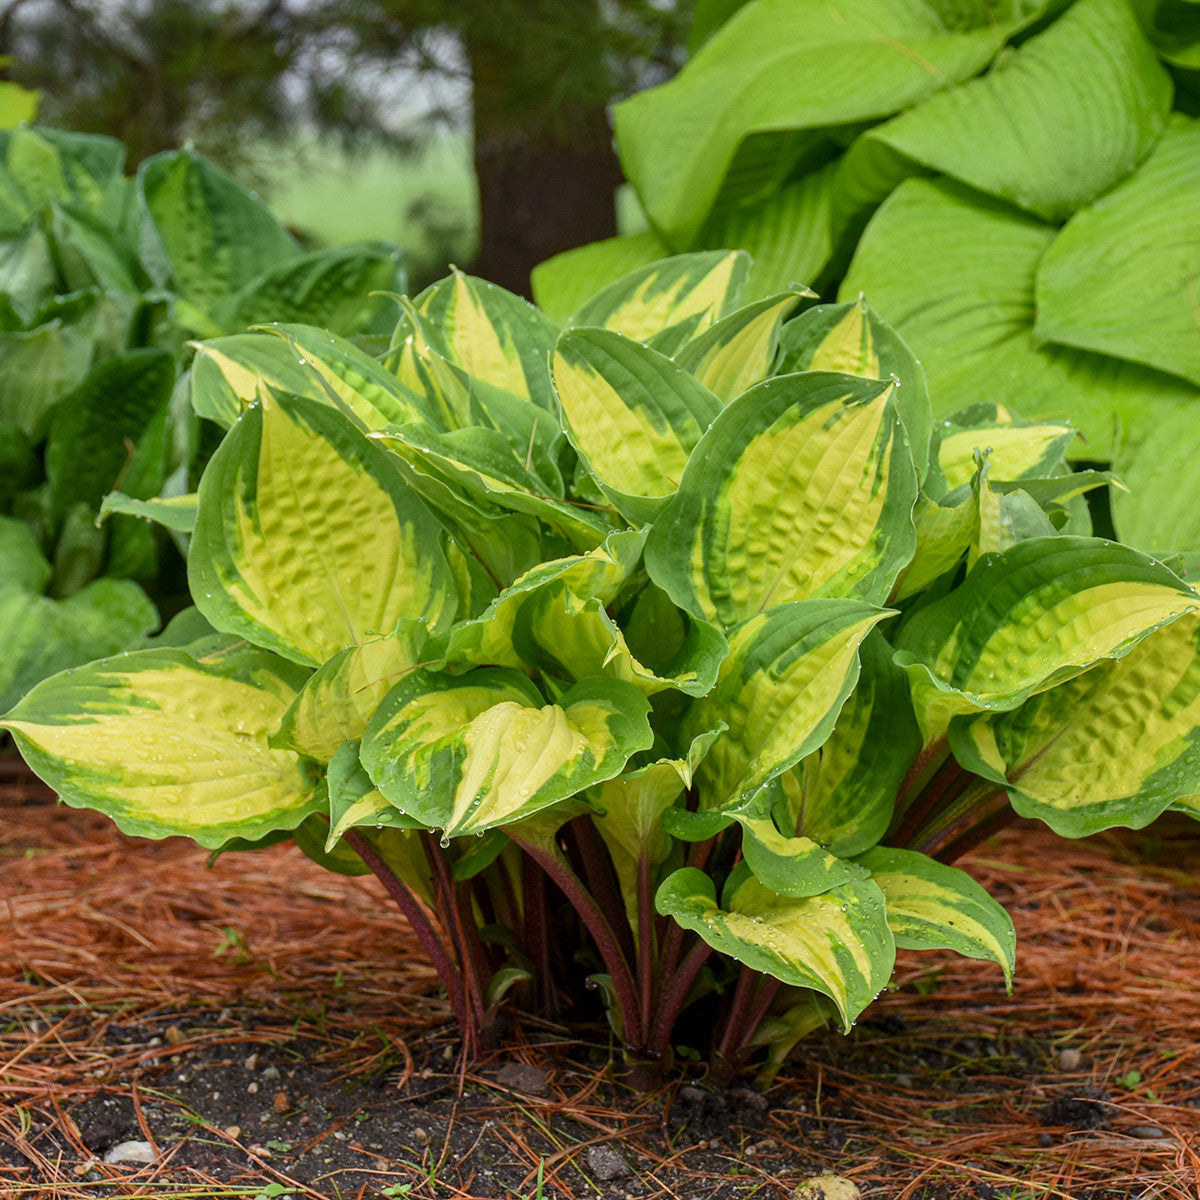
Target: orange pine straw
{"x": 941, "y": 1091}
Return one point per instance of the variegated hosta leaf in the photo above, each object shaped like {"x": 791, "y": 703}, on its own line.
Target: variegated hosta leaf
{"x": 788, "y": 672}
{"x": 469, "y": 753}
{"x": 492, "y": 335}
{"x": 944, "y": 531}
{"x": 337, "y": 701}
{"x": 680, "y": 297}
{"x": 1018, "y": 449}
{"x": 842, "y": 795}
{"x": 307, "y": 539}
{"x": 852, "y": 339}
{"x": 555, "y": 619}
{"x": 792, "y": 866}
{"x": 481, "y": 464}
{"x": 1116, "y": 745}
{"x": 936, "y": 907}
{"x": 838, "y": 943}
{"x": 354, "y": 800}
{"x": 167, "y": 744}
{"x": 803, "y": 486}
{"x": 1030, "y": 617}
{"x": 228, "y": 374}
{"x": 632, "y": 415}
{"x": 738, "y": 351}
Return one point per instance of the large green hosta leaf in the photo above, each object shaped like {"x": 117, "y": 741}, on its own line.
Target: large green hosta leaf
{"x": 347, "y": 572}
{"x": 837, "y": 943}
{"x": 1121, "y": 277}
{"x": 744, "y": 80}
{"x": 1113, "y": 746}
{"x": 632, "y": 415}
{"x": 470, "y": 753}
{"x": 779, "y": 691}
{"x": 803, "y": 486}
{"x": 1056, "y": 123}
{"x": 1023, "y": 620}
{"x": 933, "y": 906}
{"x": 955, "y": 274}
{"x": 167, "y": 744}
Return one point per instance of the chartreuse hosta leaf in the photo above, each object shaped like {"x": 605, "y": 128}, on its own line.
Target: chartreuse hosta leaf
{"x": 491, "y": 334}
{"x": 1030, "y": 617}
{"x": 360, "y": 552}
{"x": 1113, "y": 746}
{"x": 842, "y": 795}
{"x": 469, "y": 753}
{"x": 788, "y": 672}
{"x": 632, "y": 415}
{"x": 931, "y": 906}
{"x": 739, "y": 350}
{"x": 837, "y": 943}
{"x": 803, "y": 486}
{"x": 852, "y": 339}
{"x": 679, "y": 297}
{"x": 167, "y": 744}
{"x": 339, "y": 699}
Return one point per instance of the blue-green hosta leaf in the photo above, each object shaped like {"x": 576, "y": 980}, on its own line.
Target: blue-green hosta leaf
{"x": 1035, "y": 615}
{"x": 90, "y": 433}
{"x": 492, "y": 335}
{"x": 308, "y": 541}
{"x": 803, "y": 486}
{"x": 685, "y": 295}
{"x": 838, "y": 943}
{"x": 21, "y": 559}
{"x": 1116, "y": 745}
{"x": 1056, "y": 123}
{"x": 632, "y": 415}
{"x": 354, "y": 800}
{"x": 842, "y": 795}
{"x": 852, "y": 339}
{"x": 746, "y": 79}
{"x": 330, "y": 288}
{"x": 931, "y": 906}
{"x": 481, "y": 464}
{"x": 202, "y": 234}
{"x": 738, "y": 351}
{"x": 41, "y": 636}
{"x": 166, "y": 744}
{"x": 474, "y": 752}
{"x": 955, "y": 273}
{"x": 561, "y": 284}
{"x": 1121, "y": 277}
{"x": 788, "y": 672}
{"x": 339, "y": 699}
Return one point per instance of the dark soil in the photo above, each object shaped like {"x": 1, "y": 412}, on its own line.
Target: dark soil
{"x": 262, "y": 1030}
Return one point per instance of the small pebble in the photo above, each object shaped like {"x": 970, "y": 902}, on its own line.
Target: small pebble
{"x": 175, "y": 1035}
{"x": 270, "y": 1073}
{"x": 1069, "y": 1060}
{"x": 252, "y": 1088}
{"x": 131, "y": 1152}
{"x": 605, "y": 1163}
{"x": 519, "y": 1077}
{"x": 1044, "y": 1139}
{"x": 233, "y": 1131}
{"x": 420, "y": 1135}
{"x": 1146, "y": 1131}
{"x": 827, "y": 1187}
{"x": 282, "y": 1102}
{"x": 251, "y": 1063}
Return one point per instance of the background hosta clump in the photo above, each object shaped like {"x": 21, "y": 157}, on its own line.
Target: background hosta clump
{"x": 670, "y": 657}
{"x": 1013, "y": 185}
{"x": 102, "y": 281}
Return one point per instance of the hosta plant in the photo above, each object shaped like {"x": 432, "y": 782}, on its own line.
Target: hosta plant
{"x": 663, "y": 662}
{"x": 103, "y": 279}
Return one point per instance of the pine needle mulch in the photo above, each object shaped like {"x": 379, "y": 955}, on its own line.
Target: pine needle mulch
{"x": 1084, "y": 1082}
